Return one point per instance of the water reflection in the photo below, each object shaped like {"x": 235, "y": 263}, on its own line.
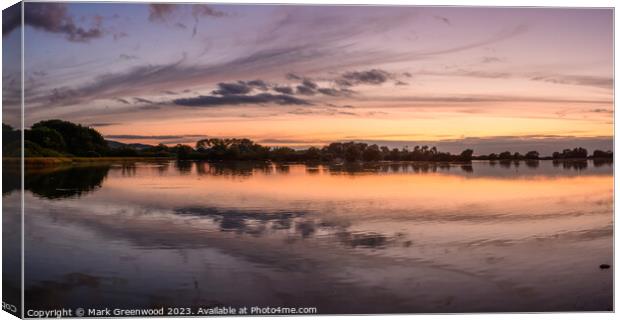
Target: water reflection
{"x": 603, "y": 162}
{"x": 356, "y": 237}
{"x": 577, "y": 165}
{"x": 73, "y": 181}
{"x": 184, "y": 166}
{"x": 58, "y": 183}
{"x": 11, "y": 177}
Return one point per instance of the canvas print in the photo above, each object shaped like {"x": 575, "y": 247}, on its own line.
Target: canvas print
{"x": 198, "y": 159}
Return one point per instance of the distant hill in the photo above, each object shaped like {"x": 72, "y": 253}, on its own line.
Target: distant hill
{"x": 118, "y": 145}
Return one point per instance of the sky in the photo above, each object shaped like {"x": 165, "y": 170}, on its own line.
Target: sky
{"x": 488, "y": 78}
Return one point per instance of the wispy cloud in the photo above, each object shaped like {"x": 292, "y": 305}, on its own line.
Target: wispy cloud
{"x": 147, "y": 137}
{"x": 163, "y": 12}
{"x": 102, "y": 124}
{"x": 148, "y": 78}
{"x": 578, "y": 80}
{"x": 142, "y": 100}
{"x": 601, "y": 110}
{"x": 602, "y": 82}
{"x": 489, "y": 59}
{"x": 443, "y": 20}
{"x": 121, "y": 100}
{"x": 127, "y": 57}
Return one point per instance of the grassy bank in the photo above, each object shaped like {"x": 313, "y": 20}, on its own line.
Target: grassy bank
{"x": 46, "y": 161}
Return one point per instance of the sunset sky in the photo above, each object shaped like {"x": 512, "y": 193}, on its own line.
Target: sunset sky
{"x": 489, "y": 78}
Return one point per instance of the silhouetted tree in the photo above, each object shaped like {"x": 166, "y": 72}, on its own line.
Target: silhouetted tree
{"x": 183, "y": 151}
{"x": 372, "y": 153}
{"x": 313, "y": 154}
{"x": 46, "y": 138}
{"x": 353, "y": 152}
{"x": 602, "y": 154}
{"x": 532, "y": 155}
{"x": 576, "y": 153}
{"x": 506, "y": 155}
{"x": 466, "y": 155}
{"x": 78, "y": 140}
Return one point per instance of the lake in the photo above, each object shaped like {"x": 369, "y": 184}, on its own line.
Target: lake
{"x": 374, "y": 238}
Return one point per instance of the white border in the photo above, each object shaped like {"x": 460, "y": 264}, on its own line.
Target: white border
{"x": 495, "y": 3}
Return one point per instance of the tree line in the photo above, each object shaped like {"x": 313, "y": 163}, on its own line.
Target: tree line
{"x": 58, "y": 138}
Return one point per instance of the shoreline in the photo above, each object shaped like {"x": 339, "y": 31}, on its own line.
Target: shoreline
{"x": 51, "y": 161}
{"x": 45, "y": 161}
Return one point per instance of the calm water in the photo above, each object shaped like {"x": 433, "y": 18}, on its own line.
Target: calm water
{"x": 354, "y": 239}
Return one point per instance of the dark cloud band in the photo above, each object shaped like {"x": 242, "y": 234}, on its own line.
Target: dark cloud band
{"x": 237, "y": 99}
{"x": 50, "y": 17}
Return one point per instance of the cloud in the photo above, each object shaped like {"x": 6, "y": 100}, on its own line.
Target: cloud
{"x": 11, "y": 18}
{"x": 142, "y": 137}
{"x": 332, "y": 111}
{"x": 307, "y": 88}
{"x": 142, "y": 100}
{"x": 62, "y": 94}
{"x": 123, "y": 56}
{"x": 578, "y": 80}
{"x": 601, "y": 82}
{"x": 292, "y": 76}
{"x": 203, "y": 10}
{"x": 148, "y": 78}
{"x": 121, "y": 100}
{"x": 309, "y": 84}
{"x": 239, "y": 87}
{"x": 443, "y": 20}
{"x": 162, "y": 12}
{"x": 53, "y": 18}
{"x": 149, "y": 107}
{"x": 446, "y": 100}
{"x": 260, "y": 84}
{"x": 335, "y": 92}
{"x": 159, "y": 12}
{"x": 102, "y": 124}
{"x": 601, "y": 110}
{"x": 482, "y": 74}
{"x": 283, "y": 89}
{"x": 490, "y": 59}
{"x": 119, "y": 35}
{"x": 237, "y": 99}
{"x": 371, "y": 77}
{"x": 287, "y": 141}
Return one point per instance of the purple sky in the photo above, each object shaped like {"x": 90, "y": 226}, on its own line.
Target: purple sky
{"x": 306, "y": 75}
